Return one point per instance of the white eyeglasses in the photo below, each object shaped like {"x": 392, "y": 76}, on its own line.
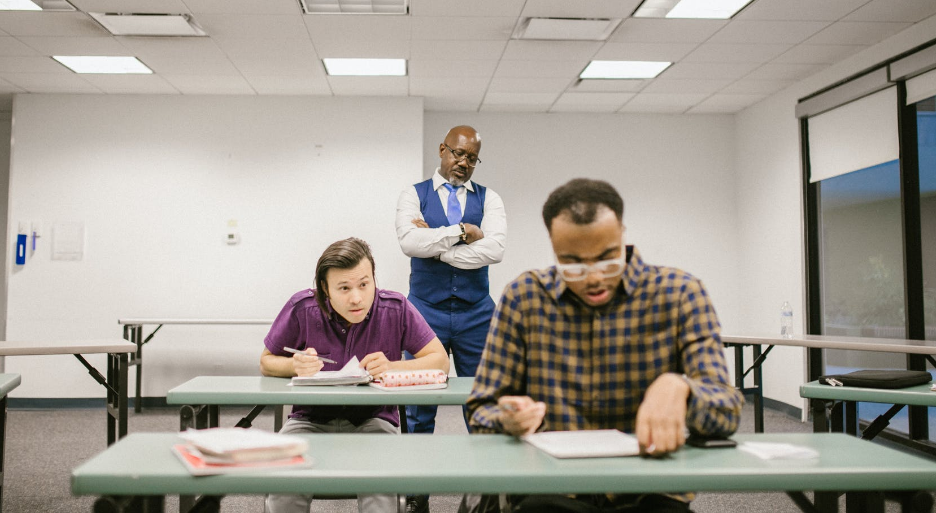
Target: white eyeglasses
{"x": 578, "y": 272}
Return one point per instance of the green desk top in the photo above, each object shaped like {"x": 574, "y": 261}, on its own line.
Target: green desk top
{"x": 142, "y": 464}
{"x": 240, "y": 390}
{"x": 919, "y": 395}
{"x": 8, "y": 382}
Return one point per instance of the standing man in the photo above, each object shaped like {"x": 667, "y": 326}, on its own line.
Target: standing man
{"x": 603, "y": 340}
{"x": 453, "y": 229}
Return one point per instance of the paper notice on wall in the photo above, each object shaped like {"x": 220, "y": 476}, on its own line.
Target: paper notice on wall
{"x": 68, "y": 241}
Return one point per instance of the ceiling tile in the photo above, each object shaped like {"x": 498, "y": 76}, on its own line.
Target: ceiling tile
{"x": 41, "y": 64}
{"x": 273, "y": 56}
{"x": 910, "y": 11}
{"x": 349, "y": 48}
{"x": 194, "y": 65}
{"x": 31, "y": 23}
{"x": 76, "y": 45}
{"x": 132, "y": 6}
{"x": 452, "y": 104}
{"x": 369, "y": 86}
{"x": 13, "y": 46}
{"x": 50, "y": 82}
{"x": 724, "y": 52}
{"x": 725, "y": 103}
{"x": 451, "y": 68}
{"x": 6, "y": 103}
{"x": 608, "y": 86}
{"x": 541, "y": 69}
{"x": 279, "y": 26}
{"x": 662, "y": 103}
{"x": 808, "y": 10}
{"x": 172, "y": 47}
{"x": 463, "y": 28}
{"x": 210, "y": 84}
{"x": 7, "y": 88}
{"x": 446, "y": 87}
{"x": 792, "y": 32}
{"x": 647, "y": 30}
{"x": 457, "y": 50}
{"x": 855, "y": 33}
{"x": 518, "y": 102}
{"x": 530, "y": 85}
{"x": 710, "y": 70}
{"x": 685, "y": 86}
{"x": 580, "y": 8}
{"x": 590, "y": 102}
{"x": 662, "y": 52}
{"x": 773, "y": 71}
{"x": 131, "y": 84}
{"x": 245, "y": 6}
{"x": 551, "y": 50}
{"x": 363, "y": 27}
{"x": 289, "y": 85}
{"x": 757, "y": 86}
{"x": 463, "y": 8}
{"x": 818, "y": 54}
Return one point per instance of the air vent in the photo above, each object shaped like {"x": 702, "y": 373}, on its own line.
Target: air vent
{"x": 355, "y": 6}
{"x": 566, "y": 29}
{"x": 148, "y": 24}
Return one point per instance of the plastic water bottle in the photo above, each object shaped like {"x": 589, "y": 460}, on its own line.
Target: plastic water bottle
{"x": 786, "y": 320}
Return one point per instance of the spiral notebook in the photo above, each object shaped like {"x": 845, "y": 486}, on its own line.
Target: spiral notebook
{"x": 600, "y": 443}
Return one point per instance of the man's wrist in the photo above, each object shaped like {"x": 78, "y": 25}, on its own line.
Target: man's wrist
{"x": 464, "y": 234}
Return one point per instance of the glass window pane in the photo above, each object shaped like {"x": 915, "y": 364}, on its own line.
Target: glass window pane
{"x": 926, "y": 143}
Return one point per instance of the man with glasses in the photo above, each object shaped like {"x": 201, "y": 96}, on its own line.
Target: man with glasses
{"x": 452, "y": 229}
{"x": 603, "y": 340}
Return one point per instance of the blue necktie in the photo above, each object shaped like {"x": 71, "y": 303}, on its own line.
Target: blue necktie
{"x": 454, "y": 208}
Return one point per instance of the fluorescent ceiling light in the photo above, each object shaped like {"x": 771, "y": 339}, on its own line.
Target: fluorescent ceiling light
{"x": 148, "y": 24}
{"x": 35, "y": 5}
{"x": 366, "y": 67}
{"x": 355, "y": 6}
{"x": 704, "y": 9}
{"x": 623, "y": 69}
{"x": 102, "y": 64}
{"x": 566, "y": 29}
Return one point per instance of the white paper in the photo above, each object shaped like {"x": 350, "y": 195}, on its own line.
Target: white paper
{"x": 352, "y": 369}
{"x": 232, "y": 440}
{"x": 350, "y": 374}
{"x": 778, "y": 451}
{"x": 600, "y": 443}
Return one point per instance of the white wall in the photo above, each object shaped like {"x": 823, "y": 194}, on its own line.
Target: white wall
{"x": 675, "y": 173}
{"x": 769, "y": 192}
{"x": 155, "y": 179}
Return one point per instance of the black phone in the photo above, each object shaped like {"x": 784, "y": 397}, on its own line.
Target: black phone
{"x": 710, "y": 443}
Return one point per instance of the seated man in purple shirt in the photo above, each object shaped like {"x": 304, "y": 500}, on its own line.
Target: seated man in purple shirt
{"x": 343, "y": 317}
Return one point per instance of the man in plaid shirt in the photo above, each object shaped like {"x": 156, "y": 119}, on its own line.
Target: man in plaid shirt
{"x": 603, "y": 340}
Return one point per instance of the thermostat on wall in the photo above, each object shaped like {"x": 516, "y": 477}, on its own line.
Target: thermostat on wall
{"x": 232, "y": 238}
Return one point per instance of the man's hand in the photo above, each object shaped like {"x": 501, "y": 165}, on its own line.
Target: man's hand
{"x": 420, "y": 223}
{"x": 472, "y": 233}
{"x": 661, "y": 417}
{"x": 520, "y": 415}
{"x": 375, "y": 364}
{"x": 307, "y": 364}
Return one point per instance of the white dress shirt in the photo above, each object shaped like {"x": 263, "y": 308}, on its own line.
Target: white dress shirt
{"x": 440, "y": 242}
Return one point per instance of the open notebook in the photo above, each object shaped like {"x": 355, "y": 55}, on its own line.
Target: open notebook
{"x": 350, "y": 374}
{"x": 601, "y": 443}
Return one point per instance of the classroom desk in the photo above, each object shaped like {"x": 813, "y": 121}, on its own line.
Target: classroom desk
{"x": 133, "y": 331}
{"x": 202, "y": 397}
{"x": 115, "y": 382}
{"x": 886, "y": 345}
{"x": 847, "y": 398}
{"x": 7, "y": 383}
{"x": 141, "y": 466}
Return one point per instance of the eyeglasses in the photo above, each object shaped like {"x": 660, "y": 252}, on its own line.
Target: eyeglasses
{"x": 471, "y": 160}
{"x": 578, "y": 272}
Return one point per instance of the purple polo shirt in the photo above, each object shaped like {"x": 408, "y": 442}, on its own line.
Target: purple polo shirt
{"x": 392, "y": 326}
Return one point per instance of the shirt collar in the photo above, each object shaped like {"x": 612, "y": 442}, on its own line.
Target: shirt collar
{"x": 629, "y": 279}
{"x": 438, "y": 181}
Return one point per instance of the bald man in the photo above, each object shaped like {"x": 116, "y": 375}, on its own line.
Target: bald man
{"x": 452, "y": 229}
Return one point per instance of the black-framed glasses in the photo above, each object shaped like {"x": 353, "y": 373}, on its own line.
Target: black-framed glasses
{"x": 471, "y": 160}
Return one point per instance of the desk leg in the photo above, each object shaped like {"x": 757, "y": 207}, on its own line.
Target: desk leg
{"x": 138, "y": 358}
{"x": 851, "y": 417}
{"x": 864, "y": 502}
{"x": 819, "y": 416}
{"x": 122, "y": 504}
{"x": 117, "y": 364}
{"x": 758, "y": 393}
{"x": 3, "y": 415}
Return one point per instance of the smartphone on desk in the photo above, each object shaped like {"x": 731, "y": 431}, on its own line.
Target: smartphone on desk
{"x": 710, "y": 443}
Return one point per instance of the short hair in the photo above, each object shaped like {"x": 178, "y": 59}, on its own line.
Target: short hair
{"x": 581, "y": 197}
{"x": 344, "y": 254}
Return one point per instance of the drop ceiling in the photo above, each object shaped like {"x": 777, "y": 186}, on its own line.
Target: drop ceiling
{"x": 461, "y": 55}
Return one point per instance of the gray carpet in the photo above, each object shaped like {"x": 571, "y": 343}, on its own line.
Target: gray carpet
{"x": 43, "y": 446}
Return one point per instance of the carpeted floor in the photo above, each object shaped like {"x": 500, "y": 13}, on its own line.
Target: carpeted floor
{"x": 43, "y": 446}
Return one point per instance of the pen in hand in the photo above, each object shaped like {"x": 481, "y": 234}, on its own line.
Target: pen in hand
{"x": 296, "y": 351}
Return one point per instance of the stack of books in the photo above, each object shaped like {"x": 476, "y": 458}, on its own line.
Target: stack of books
{"x": 206, "y": 452}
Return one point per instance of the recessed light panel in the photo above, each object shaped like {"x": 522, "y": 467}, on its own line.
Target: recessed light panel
{"x": 148, "y": 24}
{"x": 566, "y": 29}
{"x": 699, "y": 9}
{"x": 623, "y": 69}
{"x": 35, "y": 5}
{"x": 366, "y": 67}
{"x": 355, "y": 6}
{"x": 103, "y": 64}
